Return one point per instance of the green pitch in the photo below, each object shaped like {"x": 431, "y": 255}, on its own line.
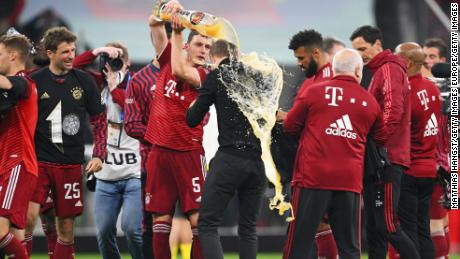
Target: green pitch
{"x": 227, "y": 256}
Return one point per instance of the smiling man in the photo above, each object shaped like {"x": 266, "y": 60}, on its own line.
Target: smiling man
{"x": 65, "y": 96}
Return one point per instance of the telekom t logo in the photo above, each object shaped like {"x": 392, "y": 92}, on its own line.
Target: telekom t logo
{"x": 334, "y": 93}
{"x": 424, "y": 100}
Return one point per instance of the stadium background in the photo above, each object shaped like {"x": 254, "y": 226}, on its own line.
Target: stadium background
{"x": 264, "y": 26}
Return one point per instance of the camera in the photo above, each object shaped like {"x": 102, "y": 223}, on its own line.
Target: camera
{"x": 116, "y": 64}
{"x": 441, "y": 73}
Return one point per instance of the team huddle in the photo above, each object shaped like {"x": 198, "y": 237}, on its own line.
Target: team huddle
{"x": 149, "y": 162}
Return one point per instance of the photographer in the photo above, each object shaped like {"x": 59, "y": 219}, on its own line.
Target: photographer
{"x": 118, "y": 183}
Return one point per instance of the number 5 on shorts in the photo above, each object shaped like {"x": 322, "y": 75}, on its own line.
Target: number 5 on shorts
{"x": 72, "y": 191}
{"x": 196, "y": 184}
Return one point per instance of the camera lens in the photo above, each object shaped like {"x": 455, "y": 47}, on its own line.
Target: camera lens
{"x": 116, "y": 64}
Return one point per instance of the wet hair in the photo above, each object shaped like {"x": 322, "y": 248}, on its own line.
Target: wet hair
{"x": 306, "y": 38}
{"x": 370, "y": 34}
{"x": 437, "y": 43}
{"x": 223, "y": 48}
{"x": 18, "y": 42}
{"x": 57, "y": 35}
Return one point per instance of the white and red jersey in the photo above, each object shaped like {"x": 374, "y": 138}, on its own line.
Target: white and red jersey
{"x": 167, "y": 126}
{"x": 425, "y": 125}
{"x": 333, "y": 119}
{"x": 17, "y": 130}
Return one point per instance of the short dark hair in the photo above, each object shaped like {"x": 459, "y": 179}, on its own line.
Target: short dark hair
{"x": 307, "y": 39}
{"x": 437, "y": 43}
{"x": 19, "y": 43}
{"x": 329, "y": 42}
{"x": 223, "y": 48}
{"x": 370, "y": 34}
{"x": 57, "y": 35}
{"x": 192, "y": 34}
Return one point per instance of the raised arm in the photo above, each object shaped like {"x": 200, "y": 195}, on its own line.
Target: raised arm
{"x": 183, "y": 68}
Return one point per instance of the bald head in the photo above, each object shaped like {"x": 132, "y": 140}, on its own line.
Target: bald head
{"x": 414, "y": 56}
{"x": 411, "y": 51}
{"x": 348, "y": 62}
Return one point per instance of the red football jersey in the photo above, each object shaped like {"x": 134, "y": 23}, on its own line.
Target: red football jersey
{"x": 17, "y": 129}
{"x": 167, "y": 126}
{"x": 425, "y": 118}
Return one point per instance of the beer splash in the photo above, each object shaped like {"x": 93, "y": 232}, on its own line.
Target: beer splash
{"x": 204, "y": 23}
{"x": 256, "y": 87}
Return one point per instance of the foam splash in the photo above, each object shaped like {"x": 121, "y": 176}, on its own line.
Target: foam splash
{"x": 257, "y": 90}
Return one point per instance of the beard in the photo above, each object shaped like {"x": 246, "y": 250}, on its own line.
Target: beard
{"x": 311, "y": 69}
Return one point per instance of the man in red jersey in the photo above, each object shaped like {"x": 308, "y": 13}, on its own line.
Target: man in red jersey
{"x": 18, "y": 163}
{"x": 307, "y": 46}
{"x": 435, "y": 50}
{"x": 390, "y": 87}
{"x": 176, "y": 163}
{"x": 418, "y": 181}
{"x": 333, "y": 119}
{"x": 66, "y": 96}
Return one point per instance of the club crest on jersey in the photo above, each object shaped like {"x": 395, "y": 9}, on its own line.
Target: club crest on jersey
{"x": 77, "y": 92}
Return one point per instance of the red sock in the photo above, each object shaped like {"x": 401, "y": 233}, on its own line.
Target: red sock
{"x": 446, "y": 234}
{"x": 28, "y": 243}
{"x": 51, "y": 237}
{"x": 11, "y": 246}
{"x": 64, "y": 250}
{"x": 440, "y": 245}
{"x": 161, "y": 231}
{"x": 325, "y": 242}
{"x": 392, "y": 253}
{"x": 196, "y": 246}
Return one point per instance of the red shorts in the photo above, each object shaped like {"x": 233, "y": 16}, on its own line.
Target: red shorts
{"x": 437, "y": 211}
{"x": 65, "y": 183}
{"x": 49, "y": 203}
{"x": 16, "y": 190}
{"x": 173, "y": 175}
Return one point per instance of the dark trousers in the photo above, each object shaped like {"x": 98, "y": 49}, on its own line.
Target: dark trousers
{"x": 147, "y": 233}
{"x": 381, "y": 209}
{"x": 310, "y": 205}
{"x": 229, "y": 174}
{"x": 414, "y": 212}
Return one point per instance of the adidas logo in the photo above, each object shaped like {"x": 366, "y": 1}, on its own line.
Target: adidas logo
{"x": 45, "y": 95}
{"x": 342, "y": 128}
{"x": 198, "y": 199}
{"x": 431, "y": 128}
{"x": 78, "y": 204}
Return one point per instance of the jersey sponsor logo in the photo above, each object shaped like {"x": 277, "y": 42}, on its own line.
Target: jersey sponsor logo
{"x": 431, "y": 128}
{"x": 45, "y": 95}
{"x": 424, "y": 100}
{"x": 341, "y": 128}
{"x": 71, "y": 124}
{"x": 77, "y": 92}
{"x": 170, "y": 90}
{"x": 334, "y": 94}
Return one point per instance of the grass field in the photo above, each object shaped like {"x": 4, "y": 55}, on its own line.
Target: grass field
{"x": 227, "y": 256}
